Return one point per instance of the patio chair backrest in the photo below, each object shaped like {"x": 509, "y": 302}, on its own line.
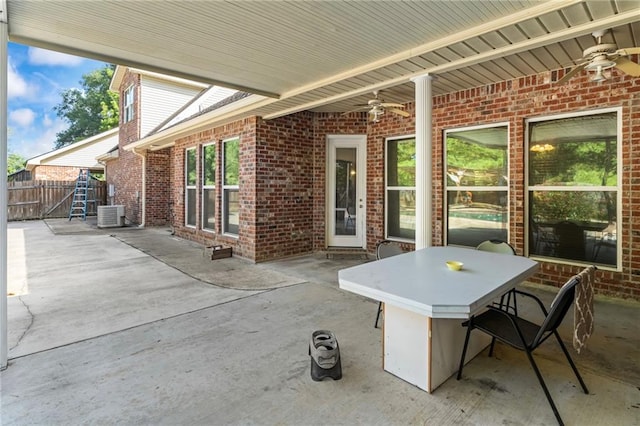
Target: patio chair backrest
{"x": 387, "y": 248}
{"x": 496, "y": 246}
{"x": 558, "y": 309}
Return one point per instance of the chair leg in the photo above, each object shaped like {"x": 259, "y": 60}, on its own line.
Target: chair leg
{"x": 378, "y": 315}
{"x": 573, "y": 366}
{"x": 493, "y": 344}
{"x": 464, "y": 350}
{"x": 544, "y": 388}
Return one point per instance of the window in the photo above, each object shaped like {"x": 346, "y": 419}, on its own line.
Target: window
{"x": 209, "y": 186}
{"x": 573, "y": 183}
{"x": 190, "y": 177}
{"x": 400, "y": 175}
{"x": 128, "y": 105}
{"x": 230, "y": 186}
{"x": 476, "y": 184}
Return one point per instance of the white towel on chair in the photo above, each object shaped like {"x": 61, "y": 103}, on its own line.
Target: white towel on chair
{"x": 583, "y": 309}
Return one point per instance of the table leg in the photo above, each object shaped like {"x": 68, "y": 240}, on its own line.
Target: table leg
{"x": 425, "y": 351}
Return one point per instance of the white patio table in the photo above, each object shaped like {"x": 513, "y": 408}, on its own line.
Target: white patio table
{"x": 425, "y": 303}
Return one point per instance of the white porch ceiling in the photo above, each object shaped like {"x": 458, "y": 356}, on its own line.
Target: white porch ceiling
{"x": 328, "y": 55}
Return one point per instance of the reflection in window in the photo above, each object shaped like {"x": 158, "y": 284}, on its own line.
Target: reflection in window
{"x": 573, "y": 187}
{"x": 400, "y": 208}
{"x": 190, "y": 184}
{"x": 230, "y": 186}
{"x": 209, "y": 186}
{"x": 477, "y": 176}
{"x": 346, "y": 191}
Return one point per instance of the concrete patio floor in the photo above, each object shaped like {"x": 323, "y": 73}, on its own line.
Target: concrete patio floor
{"x": 135, "y": 326}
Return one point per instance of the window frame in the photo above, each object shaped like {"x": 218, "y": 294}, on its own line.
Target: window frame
{"x": 388, "y": 188}
{"x": 484, "y": 188}
{"x": 204, "y": 186}
{"x": 528, "y": 189}
{"x": 127, "y": 104}
{"x": 188, "y": 187}
{"x": 228, "y": 188}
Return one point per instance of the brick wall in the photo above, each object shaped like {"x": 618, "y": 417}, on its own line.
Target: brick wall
{"x": 513, "y": 102}
{"x": 125, "y": 173}
{"x": 55, "y": 173}
{"x": 158, "y": 187}
{"x": 284, "y": 175}
{"x": 244, "y": 244}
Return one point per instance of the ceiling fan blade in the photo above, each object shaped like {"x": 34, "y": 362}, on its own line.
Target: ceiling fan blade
{"x": 391, "y": 105}
{"x": 399, "y": 112}
{"x": 628, "y": 51}
{"x": 628, "y": 67}
{"x": 571, "y": 73}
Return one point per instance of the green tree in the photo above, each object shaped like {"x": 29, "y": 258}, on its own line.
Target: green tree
{"x": 15, "y": 162}
{"x": 90, "y": 110}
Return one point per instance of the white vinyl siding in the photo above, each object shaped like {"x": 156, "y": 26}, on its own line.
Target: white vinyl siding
{"x": 80, "y": 154}
{"x": 159, "y": 100}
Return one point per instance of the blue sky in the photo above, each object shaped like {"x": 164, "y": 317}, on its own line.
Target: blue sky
{"x": 36, "y": 77}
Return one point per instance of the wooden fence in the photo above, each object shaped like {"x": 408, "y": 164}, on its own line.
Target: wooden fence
{"x": 41, "y": 199}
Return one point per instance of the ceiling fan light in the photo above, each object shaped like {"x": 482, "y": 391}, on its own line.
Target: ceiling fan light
{"x": 599, "y": 76}
{"x": 600, "y": 62}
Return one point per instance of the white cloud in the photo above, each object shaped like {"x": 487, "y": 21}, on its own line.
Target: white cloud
{"x": 23, "y": 117}
{"x": 16, "y": 85}
{"x": 47, "y": 121}
{"x": 39, "y": 56}
{"x": 30, "y": 146}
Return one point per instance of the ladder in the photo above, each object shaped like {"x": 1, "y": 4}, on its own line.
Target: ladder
{"x": 80, "y": 193}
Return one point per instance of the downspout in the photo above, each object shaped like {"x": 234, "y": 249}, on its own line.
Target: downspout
{"x": 4, "y": 317}
{"x": 143, "y": 193}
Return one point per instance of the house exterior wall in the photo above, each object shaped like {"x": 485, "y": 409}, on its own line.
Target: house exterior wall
{"x": 245, "y": 130}
{"x": 125, "y": 173}
{"x": 513, "y": 102}
{"x": 283, "y": 171}
{"x": 284, "y": 177}
{"x": 159, "y": 187}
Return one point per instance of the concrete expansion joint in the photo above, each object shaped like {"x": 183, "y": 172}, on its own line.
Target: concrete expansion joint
{"x": 31, "y": 321}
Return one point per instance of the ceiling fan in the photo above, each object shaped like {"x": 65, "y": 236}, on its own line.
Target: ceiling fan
{"x": 604, "y": 56}
{"x": 377, "y": 107}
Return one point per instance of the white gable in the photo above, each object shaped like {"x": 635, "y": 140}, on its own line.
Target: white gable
{"x": 79, "y": 154}
{"x": 159, "y": 98}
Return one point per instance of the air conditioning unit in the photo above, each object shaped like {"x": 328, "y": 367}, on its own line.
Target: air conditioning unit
{"x": 110, "y": 216}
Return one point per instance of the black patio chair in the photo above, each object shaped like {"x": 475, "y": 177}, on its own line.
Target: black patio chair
{"x": 384, "y": 249}
{"x": 525, "y": 335}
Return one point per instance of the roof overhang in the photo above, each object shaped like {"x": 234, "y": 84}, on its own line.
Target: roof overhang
{"x": 325, "y": 56}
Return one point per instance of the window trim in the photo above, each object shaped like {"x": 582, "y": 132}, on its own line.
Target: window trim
{"x": 128, "y": 106}
{"x": 187, "y": 187}
{"x": 445, "y": 187}
{"x": 394, "y": 188}
{"x": 226, "y": 187}
{"x": 618, "y": 188}
{"x": 204, "y": 186}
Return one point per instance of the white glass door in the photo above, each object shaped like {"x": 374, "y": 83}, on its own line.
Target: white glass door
{"x": 346, "y": 180}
